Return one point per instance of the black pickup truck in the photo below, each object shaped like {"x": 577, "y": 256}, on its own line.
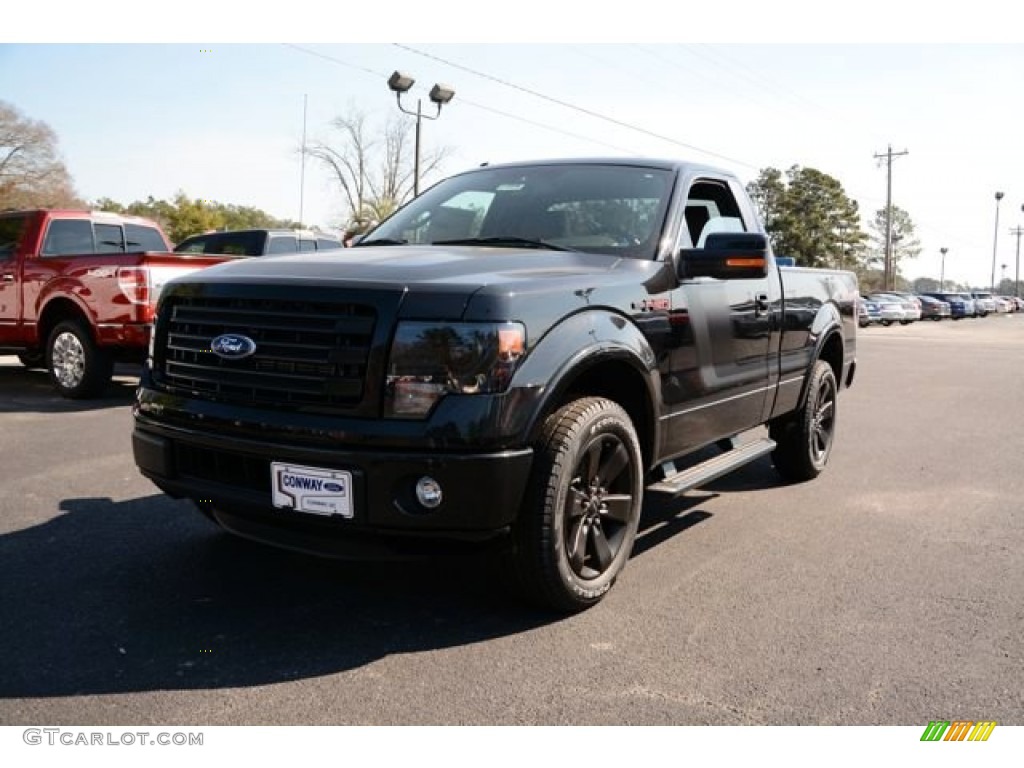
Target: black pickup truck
{"x": 513, "y": 358}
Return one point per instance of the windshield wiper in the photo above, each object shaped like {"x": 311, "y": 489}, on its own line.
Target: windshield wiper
{"x": 380, "y": 241}
{"x": 500, "y": 241}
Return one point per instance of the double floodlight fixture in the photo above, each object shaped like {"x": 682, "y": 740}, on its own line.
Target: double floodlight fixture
{"x": 402, "y": 82}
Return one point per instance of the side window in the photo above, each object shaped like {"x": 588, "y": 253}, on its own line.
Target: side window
{"x": 326, "y": 244}
{"x": 307, "y": 245}
{"x": 142, "y": 238}
{"x": 109, "y": 238}
{"x": 710, "y": 208}
{"x": 235, "y": 244}
{"x": 11, "y": 229}
{"x": 67, "y": 237}
{"x": 193, "y": 244}
{"x": 283, "y": 244}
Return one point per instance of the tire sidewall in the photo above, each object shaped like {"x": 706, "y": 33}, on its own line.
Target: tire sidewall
{"x": 96, "y": 368}
{"x": 822, "y": 373}
{"x": 610, "y": 419}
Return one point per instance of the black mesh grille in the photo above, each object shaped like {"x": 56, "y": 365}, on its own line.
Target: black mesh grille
{"x": 232, "y": 469}
{"x": 308, "y": 353}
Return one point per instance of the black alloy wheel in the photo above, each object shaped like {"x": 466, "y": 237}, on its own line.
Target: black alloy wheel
{"x": 804, "y": 437}
{"x": 581, "y": 509}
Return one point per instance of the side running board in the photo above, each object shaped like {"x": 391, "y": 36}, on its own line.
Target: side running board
{"x": 714, "y": 468}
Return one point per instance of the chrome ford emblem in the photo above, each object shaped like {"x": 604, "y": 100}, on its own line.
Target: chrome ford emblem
{"x": 232, "y": 346}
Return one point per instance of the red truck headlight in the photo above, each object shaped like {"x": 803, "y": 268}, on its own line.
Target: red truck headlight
{"x": 430, "y": 360}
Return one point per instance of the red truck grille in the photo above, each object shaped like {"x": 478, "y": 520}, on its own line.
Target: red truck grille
{"x": 307, "y": 353}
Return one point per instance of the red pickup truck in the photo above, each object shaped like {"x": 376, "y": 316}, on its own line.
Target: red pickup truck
{"x": 78, "y": 290}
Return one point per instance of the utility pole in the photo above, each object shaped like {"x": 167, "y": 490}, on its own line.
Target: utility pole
{"x": 888, "y": 275}
{"x": 302, "y": 172}
{"x": 1018, "y": 231}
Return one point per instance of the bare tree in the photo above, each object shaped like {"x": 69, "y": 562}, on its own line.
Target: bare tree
{"x": 31, "y": 172}
{"x": 374, "y": 170}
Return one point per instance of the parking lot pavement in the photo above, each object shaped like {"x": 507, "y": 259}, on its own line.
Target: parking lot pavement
{"x": 887, "y": 591}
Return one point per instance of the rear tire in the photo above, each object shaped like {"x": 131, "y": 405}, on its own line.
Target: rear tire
{"x": 78, "y": 368}
{"x": 804, "y": 438}
{"x": 580, "y": 513}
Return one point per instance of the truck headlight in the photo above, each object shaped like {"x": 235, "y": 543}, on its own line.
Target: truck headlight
{"x": 430, "y": 360}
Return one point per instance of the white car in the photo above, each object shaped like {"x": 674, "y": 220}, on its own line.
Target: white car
{"x": 911, "y": 305}
{"x": 890, "y": 308}
{"x": 984, "y": 301}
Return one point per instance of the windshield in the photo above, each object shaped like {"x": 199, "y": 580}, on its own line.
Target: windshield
{"x": 613, "y": 209}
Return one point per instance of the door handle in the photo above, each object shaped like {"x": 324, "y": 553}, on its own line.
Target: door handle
{"x": 760, "y": 304}
{"x": 7, "y": 277}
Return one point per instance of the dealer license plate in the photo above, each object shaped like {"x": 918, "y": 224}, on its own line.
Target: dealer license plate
{"x": 311, "y": 489}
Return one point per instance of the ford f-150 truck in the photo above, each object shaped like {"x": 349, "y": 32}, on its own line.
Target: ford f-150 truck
{"x": 514, "y": 357}
{"x": 78, "y": 290}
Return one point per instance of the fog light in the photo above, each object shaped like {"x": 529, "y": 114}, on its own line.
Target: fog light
{"x": 428, "y": 492}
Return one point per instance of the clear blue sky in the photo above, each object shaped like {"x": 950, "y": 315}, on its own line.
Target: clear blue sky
{"x": 223, "y": 121}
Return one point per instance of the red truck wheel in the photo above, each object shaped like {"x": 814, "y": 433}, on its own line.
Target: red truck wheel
{"x": 78, "y": 368}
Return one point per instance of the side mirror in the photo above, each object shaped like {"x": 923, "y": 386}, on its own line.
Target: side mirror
{"x": 726, "y": 256}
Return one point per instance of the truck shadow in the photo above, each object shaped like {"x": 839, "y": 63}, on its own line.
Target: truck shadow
{"x": 145, "y": 594}
{"x": 28, "y": 391}
{"x": 755, "y": 476}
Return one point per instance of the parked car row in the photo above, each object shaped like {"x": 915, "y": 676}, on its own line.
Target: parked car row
{"x": 886, "y": 308}
{"x": 258, "y": 242}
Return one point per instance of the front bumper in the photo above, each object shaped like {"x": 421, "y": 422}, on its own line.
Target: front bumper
{"x": 231, "y": 479}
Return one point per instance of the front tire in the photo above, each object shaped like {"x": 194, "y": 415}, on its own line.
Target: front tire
{"x": 78, "y": 368}
{"x": 581, "y": 510}
{"x": 804, "y": 438}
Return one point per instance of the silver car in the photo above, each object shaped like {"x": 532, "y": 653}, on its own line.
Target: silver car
{"x": 890, "y": 308}
{"x": 983, "y": 302}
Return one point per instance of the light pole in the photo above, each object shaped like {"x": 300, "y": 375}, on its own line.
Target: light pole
{"x": 942, "y": 273}
{"x": 995, "y": 241}
{"x": 401, "y": 82}
{"x": 1016, "y": 277}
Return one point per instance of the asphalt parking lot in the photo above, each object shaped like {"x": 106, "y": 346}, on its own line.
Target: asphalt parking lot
{"x": 888, "y": 591}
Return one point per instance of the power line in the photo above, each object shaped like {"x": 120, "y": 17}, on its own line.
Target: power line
{"x": 859, "y": 194}
{"x": 463, "y": 100}
{"x": 574, "y": 107}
